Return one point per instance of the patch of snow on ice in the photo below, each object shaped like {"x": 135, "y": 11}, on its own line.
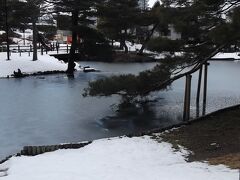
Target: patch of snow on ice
{"x": 25, "y": 63}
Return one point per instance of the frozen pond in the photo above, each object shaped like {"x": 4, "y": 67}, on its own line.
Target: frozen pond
{"x": 51, "y": 109}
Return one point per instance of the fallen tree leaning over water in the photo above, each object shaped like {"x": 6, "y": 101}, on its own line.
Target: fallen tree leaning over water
{"x": 130, "y": 85}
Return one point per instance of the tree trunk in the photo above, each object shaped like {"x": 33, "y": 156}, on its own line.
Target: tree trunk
{"x": 24, "y": 38}
{"x": 147, "y": 39}
{"x": 124, "y": 42}
{"x": 35, "y": 57}
{"x": 125, "y": 48}
{"x": 7, "y": 30}
{"x": 72, "y": 55}
{"x": 121, "y": 42}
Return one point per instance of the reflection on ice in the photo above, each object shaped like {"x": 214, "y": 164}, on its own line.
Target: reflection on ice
{"x": 51, "y": 110}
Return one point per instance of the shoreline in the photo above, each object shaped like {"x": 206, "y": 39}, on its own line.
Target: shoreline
{"x": 40, "y": 73}
{"x": 214, "y": 138}
{"x": 118, "y": 57}
{"x": 167, "y": 134}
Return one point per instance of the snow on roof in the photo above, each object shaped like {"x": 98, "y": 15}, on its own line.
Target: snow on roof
{"x": 138, "y": 158}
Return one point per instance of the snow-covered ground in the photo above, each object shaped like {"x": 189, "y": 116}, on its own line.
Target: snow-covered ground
{"x": 234, "y": 55}
{"x": 26, "y": 65}
{"x": 48, "y": 63}
{"x": 138, "y": 158}
{"x": 134, "y": 47}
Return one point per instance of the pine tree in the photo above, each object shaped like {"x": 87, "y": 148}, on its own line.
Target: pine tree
{"x": 198, "y": 24}
{"x": 118, "y": 20}
{"x": 23, "y": 13}
{"x": 207, "y": 27}
{"x": 2, "y": 13}
{"x": 79, "y": 11}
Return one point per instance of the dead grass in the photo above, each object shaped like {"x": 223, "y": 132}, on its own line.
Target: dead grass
{"x": 215, "y": 139}
{"x": 230, "y": 160}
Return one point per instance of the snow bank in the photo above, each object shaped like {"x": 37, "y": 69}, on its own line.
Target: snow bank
{"x": 234, "y": 55}
{"x": 25, "y": 63}
{"x": 132, "y": 47}
{"x": 2, "y": 32}
{"x": 139, "y": 158}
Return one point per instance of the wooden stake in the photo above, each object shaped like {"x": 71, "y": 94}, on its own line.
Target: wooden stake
{"x": 187, "y": 98}
{"x": 198, "y": 92}
{"x": 205, "y": 88}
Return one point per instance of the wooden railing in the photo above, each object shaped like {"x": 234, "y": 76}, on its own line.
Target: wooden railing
{"x": 58, "y": 48}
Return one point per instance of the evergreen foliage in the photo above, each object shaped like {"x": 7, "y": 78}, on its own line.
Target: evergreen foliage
{"x": 204, "y": 26}
{"x": 132, "y": 85}
{"x": 81, "y": 13}
{"x": 23, "y": 15}
{"x": 63, "y": 22}
{"x": 93, "y": 43}
{"x": 207, "y": 27}
{"x": 2, "y": 15}
{"x": 118, "y": 20}
{"x": 164, "y": 44}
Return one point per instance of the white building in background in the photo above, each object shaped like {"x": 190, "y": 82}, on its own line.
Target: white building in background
{"x": 172, "y": 34}
{"x": 63, "y": 36}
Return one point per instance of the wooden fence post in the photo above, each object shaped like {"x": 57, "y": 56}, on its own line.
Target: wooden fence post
{"x": 57, "y": 47}
{"x": 205, "y": 88}
{"x": 198, "y": 92}
{"x": 187, "y": 98}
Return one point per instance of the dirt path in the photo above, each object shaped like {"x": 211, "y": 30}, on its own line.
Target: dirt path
{"x": 215, "y": 139}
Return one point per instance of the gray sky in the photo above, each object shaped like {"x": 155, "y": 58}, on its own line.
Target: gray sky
{"x": 151, "y": 2}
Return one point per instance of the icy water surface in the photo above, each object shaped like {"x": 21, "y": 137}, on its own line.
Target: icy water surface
{"x": 51, "y": 109}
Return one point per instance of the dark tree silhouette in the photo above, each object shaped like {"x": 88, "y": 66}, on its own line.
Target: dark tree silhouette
{"x": 207, "y": 27}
